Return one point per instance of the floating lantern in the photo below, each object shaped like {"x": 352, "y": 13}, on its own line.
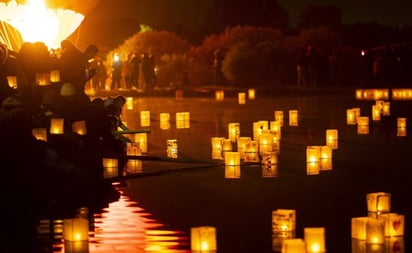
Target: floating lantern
{"x": 269, "y": 158}
{"x": 251, "y": 151}
{"x": 179, "y": 94}
{"x": 129, "y": 103}
{"x": 40, "y": 134}
{"x": 203, "y": 239}
{"x": 217, "y": 144}
{"x": 182, "y": 120}
{"x": 265, "y": 142}
{"x": 401, "y": 94}
{"x": 133, "y": 165}
{"x": 386, "y": 108}
{"x": 251, "y": 94}
{"x": 315, "y": 239}
{"x": 350, "y": 117}
{"x": 363, "y": 125}
{"x": 145, "y": 118}
{"x": 55, "y": 76}
{"x": 269, "y": 171}
{"x": 232, "y": 171}
{"x": 232, "y": 158}
{"x": 110, "y": 168}
{"x": 279, "y": 117}
{"x": 242, "y": 98}
{"x": 276, "y": 144}
{"x": 283, "y": 220}
{"x": 141, "y": 138}
{"x": 219, "y": 95}
{"x": 293, "y": 246}
{"x": 234, "y": 131}
{"x": 293, "y": 118}
{"x": 12, "y": 81}
{"x": 217, "y": 155}
{"x": 276, "y": 128}
{"x": 258, "y": 128}
{"x": 376, "y": 113}
{"x": 56, "y": 126}
{"x": 312, "y": 160}
{"x": 172, "y": 149}
{"x": 378, "y": 202}
{"x": 226, "y": 145}
{"x": 325, "y": 158}
{"x": 76, "y": 229}
{"x": 394, "y": 224}
{"x": 79, "y": 127}
{"x": 164, "y": 125}
{"x": 401, "y": 127}
{"x": 241, "y": 145}
{"x": 43, "y": 79}
{"x": 358, "y": 227}
{"x": 332, "y": 138}
{"x": 375, "y": 232}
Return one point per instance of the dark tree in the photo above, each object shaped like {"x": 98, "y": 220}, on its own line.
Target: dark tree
{"x": 313, "y": 16}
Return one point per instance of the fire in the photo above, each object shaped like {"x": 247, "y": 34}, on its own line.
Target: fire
{"x": 38, "y": 23}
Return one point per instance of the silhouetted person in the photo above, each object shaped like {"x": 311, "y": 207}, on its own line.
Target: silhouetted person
{"x": 116, "y": 72}
{"x": 135, "y": 71}
{"x": 217, "y": 65}
{"x": 148, "y": 70}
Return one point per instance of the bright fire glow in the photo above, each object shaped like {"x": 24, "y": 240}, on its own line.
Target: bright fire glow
{"x": 37, "y": 23}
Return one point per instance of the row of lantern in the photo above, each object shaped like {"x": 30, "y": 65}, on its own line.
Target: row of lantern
{"x": 57, "y": 127}
{"x": 381, "y": 228}
{"x": 377, "y": 94}
{"x": 251, "y": 93}
{"x": 182, "y": 120}
{"x": 42, "y": 79}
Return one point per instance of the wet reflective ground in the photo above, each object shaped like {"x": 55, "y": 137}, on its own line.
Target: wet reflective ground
{"x": 192, "y": 190}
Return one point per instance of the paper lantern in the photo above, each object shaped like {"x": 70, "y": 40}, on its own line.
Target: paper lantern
{"x": 312, "y": 160}
{"x": 110, "y": 168}
{"x": 283, "y": 220}
{"x": 251, "y": 94}
{"x": 182, "y": 120}
{"x": 279, "y": 238}
{"x": 217, "y": 143}
{"x": 375, "y": 232}
{"x": 276, "y": 128}
{"x": 241, "y": 145}
{"x": 145, "y": 118}
{"x": 394, "y": 224}
{"x": 217, "y": 155}
{"x": 56, "y": 126}
{"x": 141, "y": 138}
{"x": 378, "y": 202}
{"x": 350, "y": 117}
{"x": 12, "y": 81}
{"x": 226, "y": 145}
{"x": 258, "y": 128}
{"x": 129, "y": 103}
{"x": 242, "y": 98}
{"x": 232, "y": 158}
{"x": 332, "y": 138}
{"x": 79, "y": 127}
{"x": 76, "y": 229}
{"x": 314, "y": 239}
{"x": 276, "y": 144}
{"x": 363, "y": 125}
{"x": 55, "y": 76}
{"x": 401, "y": 127}
{"x": 279, "y": 117}
{"x": 251, "y": 151}
{"x": 325, "y": 158}
{"x": 179, "y": 94}
{"x": 76, "y": 247}
{"x": 269, "y": 170}
{"x": 386, "y": 108}
{"x": 172, "y": 151}
{"x": 232, "y": 171}
{"x": 234, "y": 131}
{"x": 219, "y": 95}
{"x": 43, "y": 79}
{"x": 186, "y": 117}
{"x": 265, "y": 142}
{"x": 376, "y": 113}
{"x": 133, "y": 165}
{"x": 293, "y": 118}
{"x": 203, "y": 239}
{"x": 293, "y": 246}
{"x": 40, "y": 134}
{"x": 358, "y": 227}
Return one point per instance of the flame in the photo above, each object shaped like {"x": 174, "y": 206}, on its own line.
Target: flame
{"x": 38, "y": 23}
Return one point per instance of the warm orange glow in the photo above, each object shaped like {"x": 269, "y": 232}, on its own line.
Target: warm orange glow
{"x": 36, "y": 22}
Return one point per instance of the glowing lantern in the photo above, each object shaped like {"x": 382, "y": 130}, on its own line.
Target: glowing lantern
{"x": 241, "y": 145}
{"x": 79, "y": 127}
{"x": 12, "y": 81}
{"x": 242, "y": 98}
{"x": 172, "y": 148}
{"x": 179, "y": 94}
{"x": 363, "y": 125}
{"x": 145, "y": 118}
{"x": 279, "y": 238}
{"x": 394, "y": 224}
{"x": 217, "y": 143}
{"x": 312, "y": 160}
{"x": 55, "y": 76}
{"x": 358, "y": 227}
{"x": 133, "y": 165}
{"x": 293, "y": 246}
{"x": 129, "y": 103}
{"x": 258, "y": 128}
{"x": 141, "y": 138}
{"x": 376, "y": 113}
{"x": 375, "y": 232}
{"x": 232, "y": 158}
{"x": 56, "y": 126}
{"x": 226, "y": 145}
{"x": 234, "y": 131}
{"x": 325, "y": 158}
{"x": 251, "y": 151}
{"x": 269, "y": 158}
{"x": 378, "y": 202}
{"x": 386, "y": 108}
{"x": 182, "y": 120}
{"x": 186, "y": 117}
{"x": 40, "y": 133}
{"x": 76, "y": 229}
{"x": 276, "y": 144}
{"x": 265, "y": 142}
{"x": 203, "y": 239}
{"x": 110, "y": 168}
{"x": 315, "y": 239}
{"x": 401, "y": 129}
{"x": 217, "y": 155}
{"x": 276, "y": 128}
{"x": 293, "y": 118}
{"x": 232, "y": 171}
{"x": 283, "y": 220}
{"x": 219, "y": 95}
{"x": 332, "y": 138}
{"x": 279, "y": 117}
{"x": 251, "y": 94}
{"x": 43, "y": 79}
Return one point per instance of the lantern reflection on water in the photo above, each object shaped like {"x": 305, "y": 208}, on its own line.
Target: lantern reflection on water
{"x": 293, "y": 118}
{"x": 401, "y": 127}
